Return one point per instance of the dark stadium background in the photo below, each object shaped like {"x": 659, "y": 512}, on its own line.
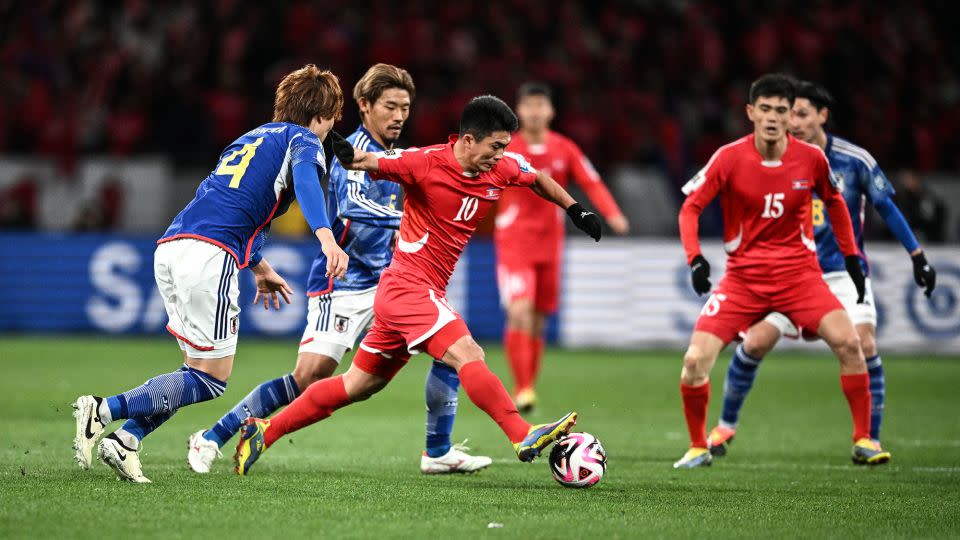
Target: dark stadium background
{"x": 112, "y": 112}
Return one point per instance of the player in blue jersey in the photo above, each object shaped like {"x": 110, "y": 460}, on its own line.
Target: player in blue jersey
{"x": 197, "y": 260}
{"x": 365, "y": 217}
{"x": 860, "y": 180}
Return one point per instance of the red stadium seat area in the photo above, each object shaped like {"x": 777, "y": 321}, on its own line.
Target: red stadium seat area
{"x": 642, "y": 82}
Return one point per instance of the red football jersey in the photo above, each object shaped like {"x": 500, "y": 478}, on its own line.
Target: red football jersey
{"x": 442, "y": 206}
{"x": 767, "y": 224}
{"x": 531, "y": 227}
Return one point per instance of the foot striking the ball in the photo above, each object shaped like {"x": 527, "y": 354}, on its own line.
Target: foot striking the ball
{"x": 541, "y": 436}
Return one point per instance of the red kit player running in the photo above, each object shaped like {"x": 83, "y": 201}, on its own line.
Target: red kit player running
{"x": 529, "y": 236}
{"x": 448, "y": 190}
{"x": 765, "y": 182}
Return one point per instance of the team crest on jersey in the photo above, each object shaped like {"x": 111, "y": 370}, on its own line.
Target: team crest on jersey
{"x": 492, "y": 193}
{"x": 235, "y": 324}
{"x": 802, "y": 183}
{"x": 837, "y": 180}
{"x": 340, "y": 324}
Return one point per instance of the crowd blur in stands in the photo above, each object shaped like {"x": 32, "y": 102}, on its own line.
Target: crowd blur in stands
{"x": 650, "y": 82}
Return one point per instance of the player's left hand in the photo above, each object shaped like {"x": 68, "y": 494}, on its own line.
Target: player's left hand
{"x": 924, "y": 274}
{"x": 619, "y": 225}
{"x": 270, "y": 283}
{"x": 852, "y": 262}
{"x": 585, "y": 220}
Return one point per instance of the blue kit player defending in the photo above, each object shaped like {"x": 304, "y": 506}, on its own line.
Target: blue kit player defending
{"x": 860, "y": 179}
{"x": 196, "y": 262}
{"x": 364, "y": 217}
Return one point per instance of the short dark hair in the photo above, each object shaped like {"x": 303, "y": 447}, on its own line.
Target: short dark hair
{"x": 774, "y": 85}
{"x": 484, "y": 115}
{"x": 534, "y": 88}
{"x": 818, "y": 95}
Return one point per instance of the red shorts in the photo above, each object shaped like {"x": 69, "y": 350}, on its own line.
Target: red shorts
{"x": 408, "y": 317}
{"x": 736, "y": 305}
{"x": 537, "y": 281}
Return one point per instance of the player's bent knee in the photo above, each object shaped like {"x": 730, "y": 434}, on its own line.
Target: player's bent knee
{"x": 312, "y": 368}
{"x": 695, "y": 371}
{"x": 867, "y": 343}
{"x": 463, "y": 351}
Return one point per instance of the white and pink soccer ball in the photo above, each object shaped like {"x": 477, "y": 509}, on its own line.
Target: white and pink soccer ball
{"x": 578, "y": 461}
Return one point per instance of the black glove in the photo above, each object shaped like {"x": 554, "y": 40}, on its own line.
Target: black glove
{"x": 852, "y": 263}
{"x": 585, "y": 220}
{"x": 341, "y": 148}
{"x": 700, "y": 275}
{"x": 924, "y": 274}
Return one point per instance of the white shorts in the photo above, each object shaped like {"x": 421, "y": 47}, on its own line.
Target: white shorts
{"x": 198, "y": 284}
{"x": 335, "y": 322}
{"x": 846, "y": 292}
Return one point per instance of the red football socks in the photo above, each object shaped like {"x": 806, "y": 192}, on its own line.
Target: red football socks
{"x": 316, "y": 403}
{"x": 536, "y": 357}
{"x": 857, "y": 390}
{"x": 518, "y": 346}
{"x": 487, "y": 392}
{"x": 695, "y": 400}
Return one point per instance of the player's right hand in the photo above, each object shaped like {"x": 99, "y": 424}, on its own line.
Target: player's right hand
{"x": 342, "y": 149}
{"x": 269, "y": 283}
{"x": 852, "y": 262}
{"x": 924, "y": 274}
{"x": 700, "y": 275}
{"x": 336, "y": 260}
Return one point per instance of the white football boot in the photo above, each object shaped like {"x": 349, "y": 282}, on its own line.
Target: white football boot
{"x": 201, "y": 453}
{"x": 454, "y": 461}
{"x": 89, "y": 428}
{"x": 123, "y": 460}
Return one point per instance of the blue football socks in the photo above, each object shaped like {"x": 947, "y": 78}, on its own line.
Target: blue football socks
{"x": 878, "y": 388}
{"x": 263, "y": 401}
{"x": 740, "y": 376}
{"x": 441, "y": 394}
{"x": 164, "y": 393}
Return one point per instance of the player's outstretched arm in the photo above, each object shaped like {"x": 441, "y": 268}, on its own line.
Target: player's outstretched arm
{"x": 353, "y": 158}
{"x": 550, "y": 190}
{"x": 269, "y": 284}
{"x": 923, "y": 273}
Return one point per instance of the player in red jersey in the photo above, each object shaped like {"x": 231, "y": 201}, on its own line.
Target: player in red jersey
{"x": 529, "y": 236}
{"x": 765, "y": 183}
{"x": 448, "y": 190}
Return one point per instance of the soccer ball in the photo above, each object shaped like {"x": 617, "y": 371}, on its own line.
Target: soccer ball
{"x": 578, "y": 461}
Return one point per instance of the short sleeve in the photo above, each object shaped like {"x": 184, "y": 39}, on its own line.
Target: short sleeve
{"x": 519, "y": 172}
{"x": 306, "y": 148}
{"x": 402, "y": 166}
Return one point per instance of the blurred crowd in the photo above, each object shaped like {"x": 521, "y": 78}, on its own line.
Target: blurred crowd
{"x": 649, "y": 82}
{"x": 658, "y": 82}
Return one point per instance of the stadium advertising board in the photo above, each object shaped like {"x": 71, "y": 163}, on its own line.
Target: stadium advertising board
{"x": 620, "y": 293}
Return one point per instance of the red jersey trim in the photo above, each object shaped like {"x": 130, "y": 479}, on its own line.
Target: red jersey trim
{"x": 329, "y": 288}
{"x": 246, "y": 258}
{"x": 202, "y": 239}
{"x": 187, "y": 341}
{"x": 308, "y": 340}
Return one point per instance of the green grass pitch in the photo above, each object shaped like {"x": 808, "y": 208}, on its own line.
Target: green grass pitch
{"x": 356, "y": 475}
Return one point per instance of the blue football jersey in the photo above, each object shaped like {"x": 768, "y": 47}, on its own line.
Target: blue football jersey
{"x": 363, "y": 213}
{"x": 859, "y": 179}
{"x": 251, "y": 185}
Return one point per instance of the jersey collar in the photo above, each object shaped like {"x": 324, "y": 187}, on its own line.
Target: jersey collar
{"x": 374, "y": 145}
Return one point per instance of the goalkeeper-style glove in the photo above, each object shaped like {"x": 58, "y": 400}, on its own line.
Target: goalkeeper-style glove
{"x": 924, "y": 274}
{"x": 341, "y": 148}
{"x": 700, "y": 275}
{"x": 585, "y": 220}
{"x": 852, "y": 262}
